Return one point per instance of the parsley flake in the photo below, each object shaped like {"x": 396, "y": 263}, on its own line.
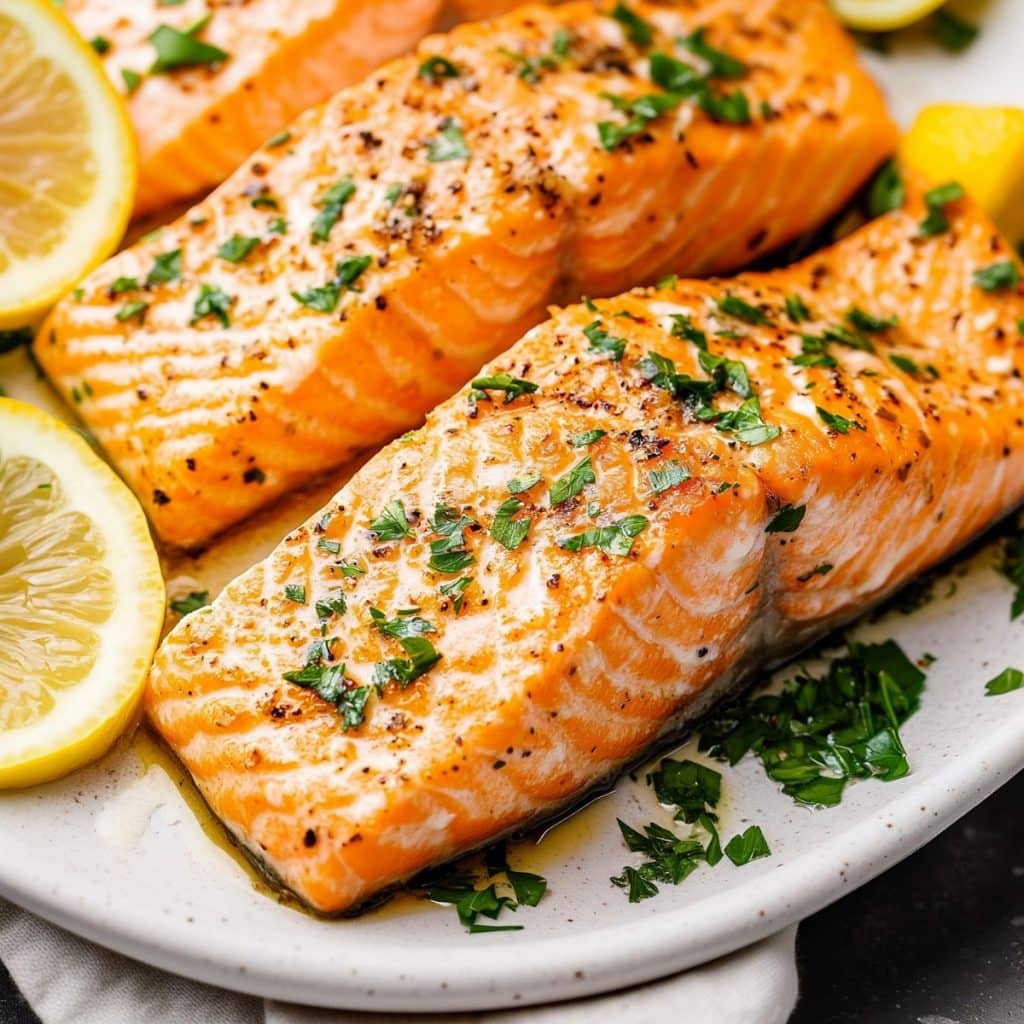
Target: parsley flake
{"x": 391, "y": 524}
{"x": 450, "y": 144}
{"x": 506, "y": 530}
{"x": 177, "y": 49}
{"x": 1007, "y": 681}
{"x": 615, "y": 539}
{"x": 787, "y": 519}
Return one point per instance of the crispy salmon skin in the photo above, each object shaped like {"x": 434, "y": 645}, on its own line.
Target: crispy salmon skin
{"x": 208, "y": 82}
{"x": 620, "y": 518}
{"x": 344, "y": 282}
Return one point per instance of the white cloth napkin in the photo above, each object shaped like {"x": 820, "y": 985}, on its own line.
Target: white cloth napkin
{"x": 67, "y": 980}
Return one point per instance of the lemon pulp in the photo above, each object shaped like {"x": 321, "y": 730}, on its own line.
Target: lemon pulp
{"x": 55, "y": 592}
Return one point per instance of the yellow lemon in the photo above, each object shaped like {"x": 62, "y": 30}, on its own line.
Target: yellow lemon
{"x": 67, "y": 160}
{"x": 883, "y": 15}
{"x": 81, "y": 600}
{"x": 980, "y": 147}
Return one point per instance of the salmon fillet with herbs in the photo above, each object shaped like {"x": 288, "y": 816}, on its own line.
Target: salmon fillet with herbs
{"x": 345, "y": 281}
{"x": 207, "y": 81}
{"x": 623, "y": 516}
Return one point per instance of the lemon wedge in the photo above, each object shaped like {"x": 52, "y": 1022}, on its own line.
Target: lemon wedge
{"x": 883, "y": 15}
{"x": 81, "y": 600}
{"x": 980, "y": 147}
{"x": 67, "y": 160}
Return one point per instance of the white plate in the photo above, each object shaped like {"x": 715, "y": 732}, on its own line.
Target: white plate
{"x": 117, "y": 854}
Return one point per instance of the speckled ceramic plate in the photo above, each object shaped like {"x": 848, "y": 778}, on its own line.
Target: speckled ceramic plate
{"x": 118, "y": 853}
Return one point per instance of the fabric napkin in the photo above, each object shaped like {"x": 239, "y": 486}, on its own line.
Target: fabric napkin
{"x": 67, "y": 980}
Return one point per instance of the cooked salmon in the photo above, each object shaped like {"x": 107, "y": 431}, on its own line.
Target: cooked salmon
{"x": 344, "y": 282}
{"x": 639, "y": 503}
{"x": 208, "y": 82}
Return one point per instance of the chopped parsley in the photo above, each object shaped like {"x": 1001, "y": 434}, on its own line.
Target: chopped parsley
{"x": 787, "y": 519}
{"x": 391, "y": 524}
{"x": 277, "y": 226}
{"x": 1007, "y": 681}
{"x": 952, "y": 32}
{"x": 513, "y": 387}
{"x": 435, "y": 68}
{"x": 277, "y": 140}
{"x": 324, "y": 298}
{"x": 888, "y": 191}
{"x": 604, "y": 343}
{"x": 405, "y": 671}
{"x": 746, "y": 424}
{"x": 862, "y": 321}
{"x": 132, "y": 80}
{"x": 840, "y": 424}
{"x": 101, "y": 44}
{"x": 237, "y": 248}
{"x": 796, "y": 309}
{"x": 448, "y": 554}
{"x": 1011, "y": 565}
{"x": 123, "y": 284}
{"x": 508, "y": 531}
{"x": 640, "y": 111}
{"x": 191, "y": 602}
{"x": 572, "y": 483}
{"x": 450, "y": 144}
{"x": 998, "y": 277}
{"x": 615, "y": 539}
{"x": 132, "y": 310}
{"x": 587, "y": 438}
{"x": 166, "y": 268}
{"x": 520, "y": 484}
{"x": 638, "y": 31}
{"x": 751, "y": 845}
{"x": 455, "y": 591}
{"x": 330, "y": 606}
{"x": 332, "y": 203}
{"x": 176, "y": 49}
{"x": 734, "y": 306}
{"x": 295, "y": 592}
{"x": 406, "y": 624}
{"x": 821, "y": 731}
{"x": 212, "y": 301}
{"x": 326, "y": 678}
{"x": 668, "y": 476}
{"x": 936, "y": 200}
{"x": 722, "y": 65}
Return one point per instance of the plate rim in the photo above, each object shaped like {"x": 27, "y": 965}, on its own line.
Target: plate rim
{"x": 548, "y": 969}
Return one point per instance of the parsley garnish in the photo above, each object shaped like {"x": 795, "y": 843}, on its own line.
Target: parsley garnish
{"x": 277, "y": 140}
{"x": 295, "y": 592}
{"x": 212, "y": 301}
{"x": 857, "y": 318}
{"x": 722, "y": 64}
{"x": 436, "y": 67}
{"x": 237, "y": 248}
{"x": 637, "y": 30}
{"x": 821, "y": 731}
{"x": 449, "y": 145}
{"x": 670, "y": 475}
{"x": 519, "y": 484}
{"x": 1011, "y": 565}
{"x": 406, "y": 624}
{"x": 936, "y": 200}
{"x": 751, "y": 845}
{"x": 512, "y": 386}
{"x": 887, "y": 190}
{"x": 506, "y": 530}
{"x": 952, "y": 32}
{"x": 603, "y": 342}
{"x": 587, "y": 438}
{"x": 192, "y": 602}
{"x": 391, "y": 524}
{"x": 332, "y": 202}
{"x": 616, "y": 539}
{"x": 455, "y": 590}
{"x": 840, "y": 424}
{"x": 132, "y": 80}
{"x": 448, "y": 555}
{"x": 787, "y": 519}
{"x": 324, "y": 298}
{"x": 905, "y": 363}
{"x": 405, "y": 671}
{"x": 132, "y": 309}
{"x": 734, "y": 306}
{"x": 573, "y": 482}
{"x": 1007, "y": 681}
{"x": 177, "y": 49}
{"x": 327, "y": 680}
{"x": 330, "y": 606}
{"x": 641, "y": 112}
{"x": 277, "y": 226}
{"x": 998, "y": 277}
{"x": 123, "y": 284}
{"x": 166, "y": 268}
{"x": 731, "y": 108}
{"x": 747, "y": 424}
{"x": 100, "y": 44}
{"x": 530, "y": 67}
{"x": 796, "y": 309}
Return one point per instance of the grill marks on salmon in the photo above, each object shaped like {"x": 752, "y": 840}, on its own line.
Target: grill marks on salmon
{"x": 195, "y": 125}
{"x": 207, "y": 422}
{"x": 563, "y": 665}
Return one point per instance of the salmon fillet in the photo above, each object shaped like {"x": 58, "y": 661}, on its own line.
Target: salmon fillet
{"x": 196, "y": 123}
{"x": 340, "y": 285}
{"x": 680, "y": 485}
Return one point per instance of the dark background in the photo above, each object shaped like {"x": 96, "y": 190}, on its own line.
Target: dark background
{"x": 939, "y": 939}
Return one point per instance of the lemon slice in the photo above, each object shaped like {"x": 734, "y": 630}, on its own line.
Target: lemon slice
{"x": 81, "y": 600}
{"x": 982, "y": 148}
{"x": 67, "y": 160}
{"x": 883, "y": 15}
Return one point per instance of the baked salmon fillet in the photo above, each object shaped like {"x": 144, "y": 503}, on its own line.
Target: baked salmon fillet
{"x": 208, "y": 82}
{"x": 343, "y": 283}
{"x": 620, "y": 519}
